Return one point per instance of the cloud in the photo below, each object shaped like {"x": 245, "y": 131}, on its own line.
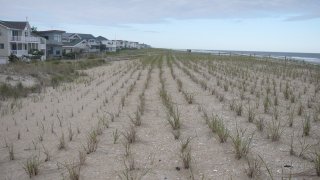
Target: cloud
{"x": 119, "y": 13}
{"x": 303, "y": 17}
{"x": 151, "y": 31}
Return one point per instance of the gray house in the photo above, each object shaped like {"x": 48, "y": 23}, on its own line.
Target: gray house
{"x": 72, "y": 42}
{"x": 54, "y": 42}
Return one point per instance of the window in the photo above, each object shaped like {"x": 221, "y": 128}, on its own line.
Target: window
{"x": 14, "y": 46}
{"x": 57, "y": 37}
{"x": 26, "y": 33}
{"x": 16, "y": 33}
{"x": 1, "y": 46}
{"x": 19, "y": 46}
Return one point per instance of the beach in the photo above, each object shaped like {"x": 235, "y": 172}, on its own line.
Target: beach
{"x": 165, "y": 114}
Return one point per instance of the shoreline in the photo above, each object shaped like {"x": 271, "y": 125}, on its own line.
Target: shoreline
{"x": 307, "y": 57}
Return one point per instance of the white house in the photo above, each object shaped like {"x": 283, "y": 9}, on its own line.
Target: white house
{"x": 110, "y": 45}
{"x": 17, "y": 38}
{"x": 133, "y": 45}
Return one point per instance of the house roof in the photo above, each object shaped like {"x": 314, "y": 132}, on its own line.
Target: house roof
{"x": 86, "y": 36}
{"x": 73, "y": 42}
{"x": 14, "y": 24}
{"x": 51, "y": 31}
{"x": 35, "y": 34}
{"x": 101, "y": 38}
{"x": 67, "y": 34}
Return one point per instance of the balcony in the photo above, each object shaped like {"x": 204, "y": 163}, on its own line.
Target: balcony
{"x": 24, "y": 39}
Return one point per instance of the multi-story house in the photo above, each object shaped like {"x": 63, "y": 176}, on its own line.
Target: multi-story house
{"x": 16, "y": 38}
{"x": 120, "y": 44}
{"x": 110, "y": 45}
{"x": 83, "y": 42}
{"x": 133, "y": 45}
{"x": 54, "y": 42}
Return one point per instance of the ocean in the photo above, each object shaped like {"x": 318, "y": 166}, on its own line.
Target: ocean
{"x": 308, "y": 57}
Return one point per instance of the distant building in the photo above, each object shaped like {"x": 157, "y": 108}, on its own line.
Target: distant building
{"x": 119, "y": 44}
{"x": 77, "y": 42}
{"x": 54, "y": 42}
{"x": 143, "y": 46}
{"x": 17, "y": 38}
{"x": 110, "y": 45}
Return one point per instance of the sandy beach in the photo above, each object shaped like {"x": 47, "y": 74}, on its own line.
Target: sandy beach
{"x": 169, "y": 115}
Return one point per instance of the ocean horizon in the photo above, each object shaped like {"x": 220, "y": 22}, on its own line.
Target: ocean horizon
{"x": 308, "y": 57}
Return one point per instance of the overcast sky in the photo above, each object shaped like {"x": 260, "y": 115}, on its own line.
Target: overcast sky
{"x": 263, "y": 25}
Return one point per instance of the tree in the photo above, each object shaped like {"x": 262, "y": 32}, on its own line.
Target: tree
{"x": 34, "y": 29}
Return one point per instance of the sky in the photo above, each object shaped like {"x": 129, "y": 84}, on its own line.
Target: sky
{"x": 253, "y": 25}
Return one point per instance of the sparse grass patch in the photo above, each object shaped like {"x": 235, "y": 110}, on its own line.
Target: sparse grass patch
{"x": 188, "y": 97}
{"x": 260, "y": 124}
{"x": 254, "y": 168}
{"x": 73, "y": 171}
{"x": 275, "y": 130}
{"x": 11, "y": 151}
{"x": 316, "y": 162}
{"x": 31, "y": 166}
{"x": 306, "y": 125}
{"x": 92, "y": 142}
{"x": 137, "y": 118}
{"x": 185, "y": 153}
{"x": 82, "y": 157}
{"x": 174, "y": 119}
{"x": 238, "y": 109}
{"x": 241, "y": 144}
{"x": 176, "y": 134}
{"x": 251, "y": 114}
{"x": 115, "y": 136}
{"x": 62, "y": 142}
{"x": 130, "y": 135}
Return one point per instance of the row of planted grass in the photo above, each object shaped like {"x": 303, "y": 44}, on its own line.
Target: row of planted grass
{"x": 48, "y": 73}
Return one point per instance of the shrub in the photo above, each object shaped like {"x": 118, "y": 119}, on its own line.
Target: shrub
{"x": 13, "y": 58}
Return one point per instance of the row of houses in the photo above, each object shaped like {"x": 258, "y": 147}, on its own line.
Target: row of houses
{"x": 19, "y": 39}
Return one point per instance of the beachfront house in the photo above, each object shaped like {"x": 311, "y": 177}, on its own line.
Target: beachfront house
{"x": 17, "y": 38}
{"x": 119, "y": 44}
{"x": 133, "y": 45}
{"x": 76, "y": 42}
{"x": 109, "y": 44}
{"x": 143, "y": 46}
{"x": 54, "y": 42}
